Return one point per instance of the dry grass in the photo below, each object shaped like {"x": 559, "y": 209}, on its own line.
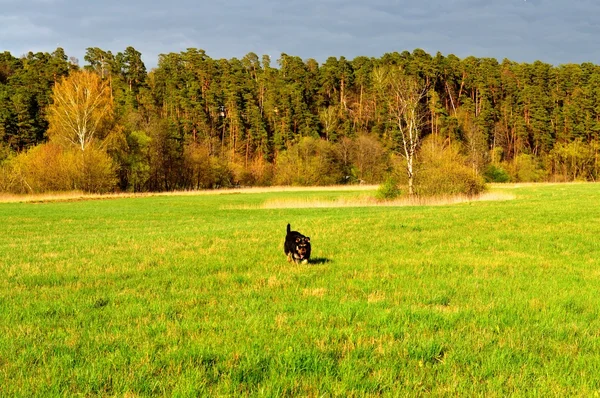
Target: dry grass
{"x": 363, "y": 201}
{"x": 368, "y": 201}
{"x": 59, "y": 197}
{"x": 78, "y": 195}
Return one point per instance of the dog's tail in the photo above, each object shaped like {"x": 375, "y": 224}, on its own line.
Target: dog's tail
{"x": 288, "y": 228}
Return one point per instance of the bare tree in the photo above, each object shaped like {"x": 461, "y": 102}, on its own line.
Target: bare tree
{"x": 404, "y": 96}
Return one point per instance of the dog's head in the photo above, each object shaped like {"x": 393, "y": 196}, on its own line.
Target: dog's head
{"x": 302, "y": 246}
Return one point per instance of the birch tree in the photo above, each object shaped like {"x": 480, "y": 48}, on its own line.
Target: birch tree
{"x": 82, "y": 109}
{"x": 404, "y": 96}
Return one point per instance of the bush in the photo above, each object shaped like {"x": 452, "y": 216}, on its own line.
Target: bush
{"x": 43, "y": 168}
{"x": 453, "y": 179}
{"x": 443, "y": 171}
{"x": 197, "y": 165}
{"x": 51, "y": 168}
{"x": 574, "y": 161}
{"x": 526, "y": 168}
{"x": 94, "y": 170}
{"x": 389, "y": 190}
{"x": 310, "y": 162}
{"x": 203, "y": 171}
{"x": 259, "y": 172}
{"x": 369, "y": 159}
{"x": 495, "y": 173}
{"x": 8, "y": 177}
{"x": 222, "y": 176}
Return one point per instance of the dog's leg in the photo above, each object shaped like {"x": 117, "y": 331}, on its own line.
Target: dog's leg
{"x": 289, "y": 256}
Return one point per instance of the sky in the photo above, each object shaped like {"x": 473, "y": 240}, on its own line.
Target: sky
{"x": 552, "y": 31}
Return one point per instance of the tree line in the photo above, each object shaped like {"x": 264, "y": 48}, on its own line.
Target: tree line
{"x": 196, "y": 122}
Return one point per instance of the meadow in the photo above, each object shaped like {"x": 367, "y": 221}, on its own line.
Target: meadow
{"x": 192, "y": 295}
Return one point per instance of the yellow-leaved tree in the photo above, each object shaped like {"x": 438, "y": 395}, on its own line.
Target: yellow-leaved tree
{"x": 81, "y": 111}
{"x": 81, "y": 119}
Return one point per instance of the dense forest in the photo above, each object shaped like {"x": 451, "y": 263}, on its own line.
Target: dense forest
{"x": 196, "y": 122}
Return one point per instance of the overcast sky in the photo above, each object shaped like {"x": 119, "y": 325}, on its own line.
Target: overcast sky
{"x": 553, "y": 31}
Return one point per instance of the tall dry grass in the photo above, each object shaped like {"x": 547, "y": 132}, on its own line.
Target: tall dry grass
{"x": 78, "y": 195}
{"x": 369, "y": 201}
{"x": 362, "y": 201}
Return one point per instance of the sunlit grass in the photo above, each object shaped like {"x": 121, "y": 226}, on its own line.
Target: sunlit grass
{"x": 367, "y": 200}
{"x": 79, "y": 195}
{"x": 191, "y": 295}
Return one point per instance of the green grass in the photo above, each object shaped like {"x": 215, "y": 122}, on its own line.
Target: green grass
{"x": 193, "y": 296}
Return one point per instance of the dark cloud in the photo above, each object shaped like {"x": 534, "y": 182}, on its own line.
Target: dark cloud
{"x": 555, "y": 31}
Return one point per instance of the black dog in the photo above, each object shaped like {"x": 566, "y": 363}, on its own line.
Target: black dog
{"x": 296, "y": 246}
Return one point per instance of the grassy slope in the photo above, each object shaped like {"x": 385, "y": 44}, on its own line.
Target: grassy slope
{"x": 189, "y": 295}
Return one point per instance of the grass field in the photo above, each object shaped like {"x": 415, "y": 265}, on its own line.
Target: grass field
{"x": 192, "y": 296}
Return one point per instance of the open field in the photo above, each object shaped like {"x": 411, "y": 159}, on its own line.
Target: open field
{"x": 191, "y": 295}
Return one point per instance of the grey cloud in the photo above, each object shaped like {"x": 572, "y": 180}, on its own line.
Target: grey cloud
{"x": 556, "y": 31}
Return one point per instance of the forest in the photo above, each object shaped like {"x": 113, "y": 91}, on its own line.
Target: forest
{"x": 194, "y": 122}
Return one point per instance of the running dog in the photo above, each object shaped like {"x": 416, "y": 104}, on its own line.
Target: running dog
{"x": 296, "y": 246}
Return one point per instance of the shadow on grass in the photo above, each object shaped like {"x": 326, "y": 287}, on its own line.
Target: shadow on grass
{"x": 319, "y": 260}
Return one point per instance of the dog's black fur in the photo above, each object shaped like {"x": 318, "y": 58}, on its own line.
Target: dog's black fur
{"x": 296, "y": 246}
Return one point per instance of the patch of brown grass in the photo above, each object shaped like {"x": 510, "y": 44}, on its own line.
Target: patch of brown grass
{"x": 78, "y": 195}
{"x": 59, "y": 197}
{"x": 367, "y": 201}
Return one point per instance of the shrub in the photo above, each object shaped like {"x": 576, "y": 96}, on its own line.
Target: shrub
{"x": 526, "y": 168}
{"x": 443, "y": 171}
{"x": 222, "y": 176}
{"x": 261, "y": 171}
{"x": 453, "y": 179}
{"x": 44, "y": 168}
{"x": 389, "y": 190}
{"x": 575, "y": 160}
{"x": 50, "y": 167}
{"x": 310, "y": 162}
{"x": 201, "y": 170}
{"x": 258, "y": 172}
{"x": 495, "y": 173}
{"x": 94, "y": 170}
{"x": 369, "y": 159}
{"x": 197, "y": 165}
{"x": 8, "y": 177}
